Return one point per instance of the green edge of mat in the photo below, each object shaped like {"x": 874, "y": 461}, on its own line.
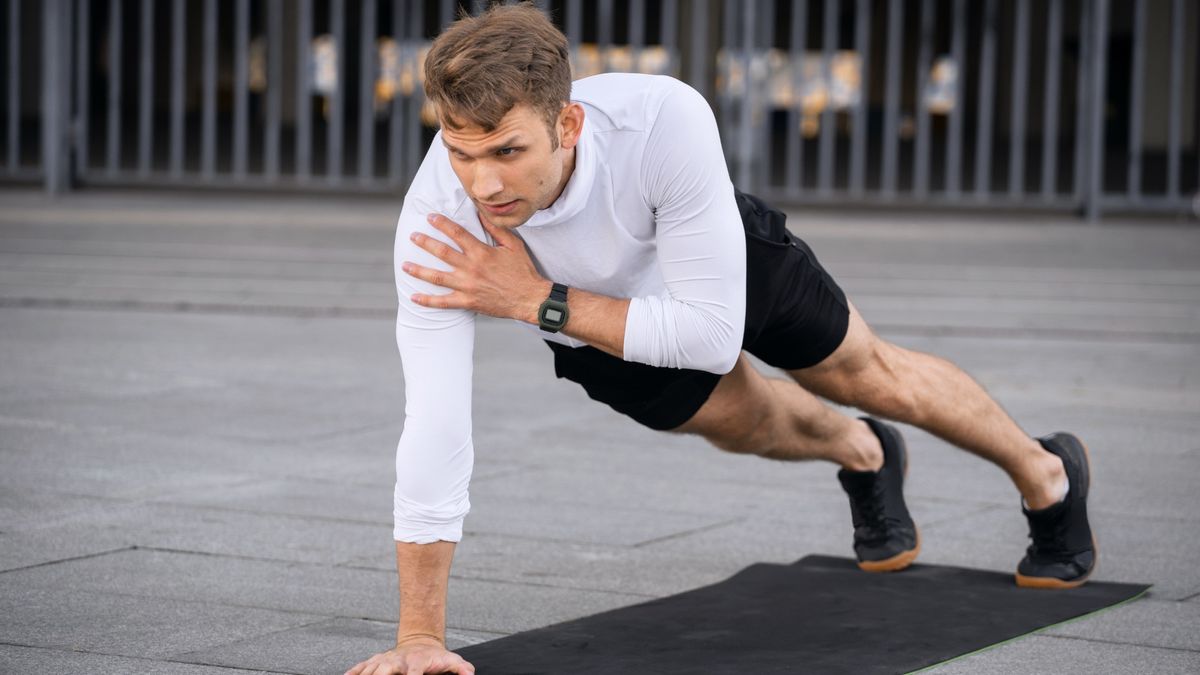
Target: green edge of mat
{"x": 1032, "y": 632}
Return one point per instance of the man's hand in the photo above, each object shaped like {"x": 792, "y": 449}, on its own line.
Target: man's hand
{"x": 419, "y": 656}
{"x": 499, "y": 281}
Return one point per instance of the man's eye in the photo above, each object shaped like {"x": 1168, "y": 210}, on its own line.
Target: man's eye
{"x": 503, "y": 152}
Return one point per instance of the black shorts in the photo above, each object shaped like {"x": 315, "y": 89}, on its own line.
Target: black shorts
{"x": 796, "y": 316}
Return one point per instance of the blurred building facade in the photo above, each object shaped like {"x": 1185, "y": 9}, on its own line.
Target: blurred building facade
{"x": 1074, "y": 105}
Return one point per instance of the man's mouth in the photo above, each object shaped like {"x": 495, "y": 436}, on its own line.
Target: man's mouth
{"x": 499, "y": 209}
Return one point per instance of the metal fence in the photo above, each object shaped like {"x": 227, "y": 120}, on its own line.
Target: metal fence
{"x": 1085, "y": 105}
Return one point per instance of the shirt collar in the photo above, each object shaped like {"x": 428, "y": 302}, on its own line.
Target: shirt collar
{"x": 574, "y": 196}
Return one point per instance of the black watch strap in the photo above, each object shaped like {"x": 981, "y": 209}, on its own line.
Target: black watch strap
{"x": 558, "y": 292}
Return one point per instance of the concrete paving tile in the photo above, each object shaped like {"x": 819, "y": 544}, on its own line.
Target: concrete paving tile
{"x": 66, "y": 618}
{"x": 506, "y": 607}
{"x": 1046, "y": 654}
{"x": 296, "y": 497}
{"x": 22, "y": 506}
{"x": 651, "y": 493}
{"x": 614, "y": 525}
{"x": 322, "y": 648}
{"x": 228, "y": 532}
{"x": 1146, "y": 622}
{"x": 284, "y": 586}
{"x": 17, "y": 659}
{"x": 25, "y": 549}
{"x": 128, "y": 465}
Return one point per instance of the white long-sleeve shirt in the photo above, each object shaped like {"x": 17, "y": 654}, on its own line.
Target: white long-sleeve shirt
{"x": 648, "y": 214}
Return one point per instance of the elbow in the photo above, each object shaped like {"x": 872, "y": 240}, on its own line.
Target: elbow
{"x": 722, "y": 359}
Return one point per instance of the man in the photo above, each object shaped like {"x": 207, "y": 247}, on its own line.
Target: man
{"x": 602, "y": 216}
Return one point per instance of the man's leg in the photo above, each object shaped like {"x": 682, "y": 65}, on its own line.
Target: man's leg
{"x": 748, "y": 413}
{"x": 925, "y": 391}
{"x": 751, "y": 414}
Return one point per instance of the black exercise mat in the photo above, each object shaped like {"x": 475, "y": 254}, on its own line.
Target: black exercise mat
{"x": 818, "y": 615}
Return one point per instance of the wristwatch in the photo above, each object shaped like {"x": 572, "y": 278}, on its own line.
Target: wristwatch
{"x": 553, "y": 314}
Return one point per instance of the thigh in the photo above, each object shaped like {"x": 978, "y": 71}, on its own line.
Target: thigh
{"x": 740, "y": 401}
{"x": 838, "y": 375}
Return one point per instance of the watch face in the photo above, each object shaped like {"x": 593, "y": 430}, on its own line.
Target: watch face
{"x": 553, "y": 315}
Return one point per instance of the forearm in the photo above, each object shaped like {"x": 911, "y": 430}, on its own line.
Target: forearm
{"x": 598, "y": 320}
{"x": 424, "y": 574}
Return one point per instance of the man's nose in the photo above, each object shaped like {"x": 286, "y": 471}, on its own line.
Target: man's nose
{"x": 486, "y": 182}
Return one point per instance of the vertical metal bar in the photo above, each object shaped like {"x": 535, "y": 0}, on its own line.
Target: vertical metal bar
{"x": 83, "y": 89}
{"x": 333, "y": 130}
{"x": 146, "y": 89}
{"x": 637, "y": 32}
{"x": 1175, "y": 106}
{"x": 303, "y": 90}
{"x": 954, "y": 142}
{"x": 178, "y": 39}
{"x": 858, "y": 142}
{"x": 1133, "y": 185}
{"x": 574, "y": 23}
{"x": 114, "y": 87}
{"x": 14, "y": 83}
{"x": 366, "y": 94}
{"x": 446, "y": 16}
{"x": 745, "y": 164}
{"x": 55, "y": 95}
{"x": 1082, "y": 101}
{"x": 274, "y": 88}
{"x": 413, "y": 139}
{"x": 604, "y": 32}
{"x": 794, "y": 162}
{"x": 891, "y": 115}
{"x": 829, "y": 38}
{"x": 396, "y": 114}
{"x": 241, "y": 86}
{"x": 699, "y": 61}
{"x": 924, "y": 64}
{"x": 208, "y": 131}
{"x": 764, "y": 151}
{"x": 1096, "y": 107}
{"x": 987, "y": 86}
{"x": 670, "y": 38}
{"x": 1050, "y": 108}
{"x": 1020, "y": 78}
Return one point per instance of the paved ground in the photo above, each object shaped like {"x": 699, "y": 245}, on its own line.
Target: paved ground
{"x": 200, "y": 400}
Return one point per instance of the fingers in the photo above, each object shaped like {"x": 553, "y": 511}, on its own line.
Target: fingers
{"x": 439, "y": 248}
{"x": 453, "y": 300}
{"x": 503, "y": 236}
{"x": 460, "y": 236}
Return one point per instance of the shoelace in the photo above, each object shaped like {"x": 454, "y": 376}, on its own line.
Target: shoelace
{"x": 870, "y": 509}
{"x": 1051, "y": 542}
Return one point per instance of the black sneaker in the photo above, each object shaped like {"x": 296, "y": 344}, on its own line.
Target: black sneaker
{"x": 885, "y": 537}
{"x": 1063, "y": 552}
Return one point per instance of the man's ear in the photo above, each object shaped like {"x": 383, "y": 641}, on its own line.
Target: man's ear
{"x": 570, "y": 125}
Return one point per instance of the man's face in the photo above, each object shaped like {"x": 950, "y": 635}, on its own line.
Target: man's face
{"x": 510, "y": 172}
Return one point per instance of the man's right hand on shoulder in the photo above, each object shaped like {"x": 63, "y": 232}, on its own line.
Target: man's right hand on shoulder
{"x": 420, "y": 656}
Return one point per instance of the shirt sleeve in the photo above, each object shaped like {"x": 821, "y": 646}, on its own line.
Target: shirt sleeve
{"x": 701, "y": 245}
{"x": 435, "y": 454}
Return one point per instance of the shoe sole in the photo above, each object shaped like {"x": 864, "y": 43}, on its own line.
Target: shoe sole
{"x": 894, "y": 563}
{"x": 904, "y": 558}
{"x": 1052, "y": 582}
